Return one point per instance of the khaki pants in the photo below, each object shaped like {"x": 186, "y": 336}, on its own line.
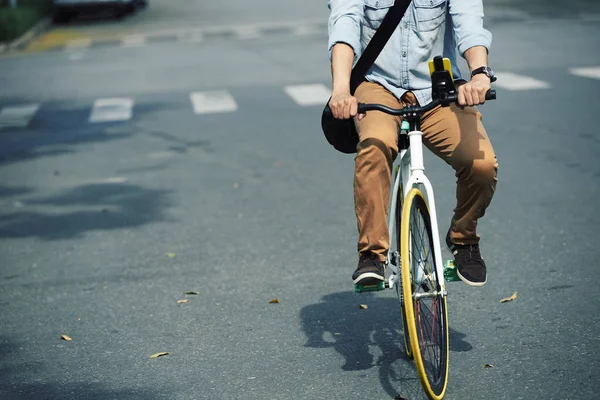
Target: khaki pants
{"x": 455, "y": 135}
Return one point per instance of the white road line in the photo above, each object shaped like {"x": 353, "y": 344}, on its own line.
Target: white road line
{"x": 510, "y": 81}
{"x": 134, "y": 40}
{"x": 586, "y": 72}
{"x": 213, "y": 102}
{"x": 77, "y": 55}
{"x": 17, "y": 116}
{"x": 247, "y": 32}
{"x": 78, "y": 44}
{"x": 306, "y": 30}
{"x": 190, "y": 37}
{"x": 589, "y": 17}
{"x": 111, "y": 110}
{"x": 309, "y": 95}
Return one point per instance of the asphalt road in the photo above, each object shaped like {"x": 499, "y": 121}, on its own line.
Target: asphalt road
{"x": 105, "y": 225}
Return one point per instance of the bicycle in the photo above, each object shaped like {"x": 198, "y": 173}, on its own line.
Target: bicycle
{"x": 414, "y": 258}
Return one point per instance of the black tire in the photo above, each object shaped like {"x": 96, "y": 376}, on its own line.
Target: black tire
{"x": 399, "y": 294}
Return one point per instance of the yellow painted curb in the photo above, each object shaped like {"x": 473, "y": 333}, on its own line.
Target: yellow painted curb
{"x": 53, "y": 39}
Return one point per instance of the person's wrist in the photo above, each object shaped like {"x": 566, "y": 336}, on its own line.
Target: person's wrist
{"x": 342, "y": 89}
{"x": 484, "y": 70}
{"x": 481, "y": 78}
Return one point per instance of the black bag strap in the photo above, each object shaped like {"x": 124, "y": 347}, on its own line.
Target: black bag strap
{"x": 378, "y": 42}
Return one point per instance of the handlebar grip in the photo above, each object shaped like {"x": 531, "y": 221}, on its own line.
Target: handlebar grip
{"x": 329, "y": 114}
{"x": 491, "y": 94}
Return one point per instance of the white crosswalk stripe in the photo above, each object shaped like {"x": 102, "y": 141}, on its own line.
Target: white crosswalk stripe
{"x": 220, "y": 101}
{"x": 111, "y": 110}
{"x": 586, "y": 72}
{"x": 17, "y": 116}
{"x": 511, "y": 81}
{"x": 309, "y": 95}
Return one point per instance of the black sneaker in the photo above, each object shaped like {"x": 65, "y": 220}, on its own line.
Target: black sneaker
{"x": 469, "y": 264}
{"x": 370, "y": 270}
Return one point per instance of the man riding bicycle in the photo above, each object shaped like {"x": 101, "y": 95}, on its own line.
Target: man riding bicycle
{"x": 400, "y": 78}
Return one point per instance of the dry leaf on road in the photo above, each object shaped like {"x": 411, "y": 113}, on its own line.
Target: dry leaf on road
{"x": 170, "y": 255}
{"x": 274, "y": 301}
{"x": 182, "y": 301}
{"x": 65, "y": 337}
{"x": 488, "y": 366}
{"x": 364, "y": 306}
{"x": 192, "y": 293}
{"x": 164, "y": 353}
{"x": 511, "y": 298}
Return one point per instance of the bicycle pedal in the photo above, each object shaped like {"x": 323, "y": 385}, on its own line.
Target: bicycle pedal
{"x": 450, "y": 271}
{"x": 369, "y": 288}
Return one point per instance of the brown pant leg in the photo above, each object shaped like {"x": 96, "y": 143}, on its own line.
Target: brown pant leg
{"x": 458, "y": 137}
{"x": 376, "y": 151}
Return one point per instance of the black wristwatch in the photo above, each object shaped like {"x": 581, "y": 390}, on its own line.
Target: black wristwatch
{"x": 484, "y": 70}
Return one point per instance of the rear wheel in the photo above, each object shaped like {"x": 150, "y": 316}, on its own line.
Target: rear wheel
{"x": 424, "y": 305}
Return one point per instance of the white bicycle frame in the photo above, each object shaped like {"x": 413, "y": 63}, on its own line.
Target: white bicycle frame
{"x": 410, "y": 173}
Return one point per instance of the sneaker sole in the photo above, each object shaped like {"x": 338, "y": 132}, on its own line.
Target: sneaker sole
{"x": 368, "y": 278}
{"x": 470, "y": 283}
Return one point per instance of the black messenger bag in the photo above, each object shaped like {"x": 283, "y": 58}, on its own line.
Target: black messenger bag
{"x": 341, "y": 134}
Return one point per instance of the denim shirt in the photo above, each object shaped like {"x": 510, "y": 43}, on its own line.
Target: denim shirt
{"x": 429, "y": 28}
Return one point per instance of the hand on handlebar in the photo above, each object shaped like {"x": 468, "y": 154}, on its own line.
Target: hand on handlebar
{"x": 344, "y": 106}
{"x": 473, "y": 93}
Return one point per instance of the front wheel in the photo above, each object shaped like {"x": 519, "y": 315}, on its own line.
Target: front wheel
{"x": 424, "y": 304}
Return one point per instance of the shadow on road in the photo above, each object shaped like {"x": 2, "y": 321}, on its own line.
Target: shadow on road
{"x": 22, "y": 380}
{"x": 18, "y": 146}
{"x": 84, "y": 208}
{"x": 368, "y": 338}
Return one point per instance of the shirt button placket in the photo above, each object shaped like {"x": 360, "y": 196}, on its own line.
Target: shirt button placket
{"x": 405, "y": 37}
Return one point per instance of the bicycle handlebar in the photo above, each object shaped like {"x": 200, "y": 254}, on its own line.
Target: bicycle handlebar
{"x": 411, "y": 111}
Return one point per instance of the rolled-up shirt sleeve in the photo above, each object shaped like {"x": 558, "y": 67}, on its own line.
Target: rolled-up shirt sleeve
{"x": 344, "y": 24}
{"x": 467, "y": 24}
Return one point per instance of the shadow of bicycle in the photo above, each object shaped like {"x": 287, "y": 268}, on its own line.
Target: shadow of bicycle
{"x": 368, "y": 338}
